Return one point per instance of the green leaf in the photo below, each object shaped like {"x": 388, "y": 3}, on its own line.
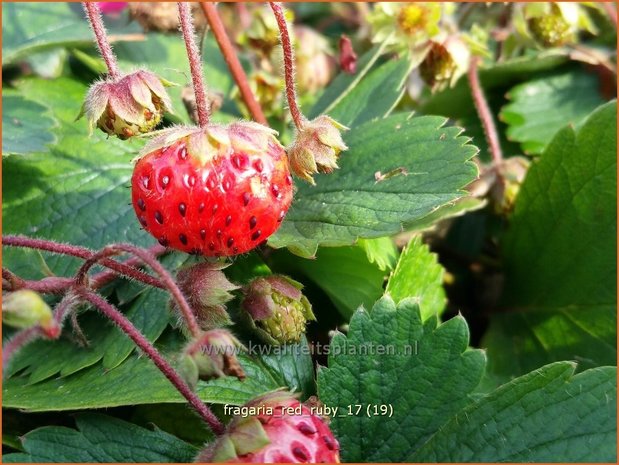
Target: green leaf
{"x": 76, "y": 192}
{"x": 345, "y": 83}
{"x": 175, "y": 419}
{"x": 381, "y": 251}
{"x": 541, "y": 107}
{"x": 32, "y": 27}
{"x": 26, "y": 126}
{"x": 425, "y": 375}
{"x": 560, "y": 255}
{"x": 349, "y": 203}
{"x": 418, "y": 274}
{"x": 375, "y": 96}
{"x": 291, "y": 365}
{"x": 548, "y": 415}
{"x": 43, "y": 358}
{"x": 345, "y": 274}
{"x": 100, "y": 438}
{"x": 136, "y": 381}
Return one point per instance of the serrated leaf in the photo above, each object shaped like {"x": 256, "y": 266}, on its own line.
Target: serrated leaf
{"x": 548, "y": 415}
{"x": 345, "y": 274}
{"x": 27, "y": 28}
{"x": 560, "y": 254}
{"x": 344, "y": 83}
{"x": 349, "y": 203}
{"x": 292, "y": 365}
{"x": 419, "y": 275}
{"x": 100, "y": 438}
{"x": 42, "y": 359}
{"x": 381, "y": 251}
{"x": 74, "y": 193}
{"x": 25, "y": 126}
{"x": 136, "y": 381}
{"x": 374, "y": 96}
{"x": 424, "y": 374}
{"x": 541, "y": 107}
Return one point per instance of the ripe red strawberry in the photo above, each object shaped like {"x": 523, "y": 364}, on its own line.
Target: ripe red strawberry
{"x": 276, "y": 437}
{"x": 216, "y": 191}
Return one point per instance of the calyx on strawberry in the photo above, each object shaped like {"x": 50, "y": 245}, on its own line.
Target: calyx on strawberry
{"x": 214, "y": 191}
{"x": 282, "y": 430}
{"x": 126, "y": 106}
{"x": 276, "y": 309}
{"x": 211, "y": 355}
{"x": 207, "y": 290}
{"x": 316, "y": 147}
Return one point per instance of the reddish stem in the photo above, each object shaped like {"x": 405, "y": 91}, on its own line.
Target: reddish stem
{"x": 84, "y": 253}
{"x": 483, "y": 110}
{"x": 203, "y": 106}
{"x": 146, "y": 257}
{"x": 127, "y": 327}
{"x": 232, "y": 60}
{"x": 17, "y": 342}
{"x": 93, "y": 13}
{"x": 289, "y": 71}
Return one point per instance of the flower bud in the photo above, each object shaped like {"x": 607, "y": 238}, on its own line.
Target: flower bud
{"x": 276, "y": 308}
{"x": 213, "y": 355}
{"x": 315, "y": 63}
{"x": 163, "y": 16}
{"x": 316, "y": 148}
{"x": 25, "y": 309}
{"x": 207, "y": 290}
{"x": 128, "y": 105}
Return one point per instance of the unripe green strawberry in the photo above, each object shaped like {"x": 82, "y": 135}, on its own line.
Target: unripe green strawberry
{"x": 282, "y": 430}
{"x": 208, "y": 290}
{"x": 128, "y": 105}
{"x": 276, "y": 308}
{"x": 553, "y": 28}
{"x": 25, "y": 309}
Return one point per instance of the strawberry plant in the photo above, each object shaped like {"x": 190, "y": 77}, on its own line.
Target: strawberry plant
{"x": 356, "y": 232}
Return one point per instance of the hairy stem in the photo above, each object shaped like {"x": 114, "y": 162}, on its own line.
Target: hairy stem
{"x": 151, "y": 261}
{"x": 483, "y": 110}
{"x": 84, "y": 253}
{"x": 127, "y": 327}
{"x": 98, "y": 28}
{"x": 232, "y": 60}
{"x": 289, "y": 71}
{"x": 17, "y": 342}
{"x": 203, "y": 106}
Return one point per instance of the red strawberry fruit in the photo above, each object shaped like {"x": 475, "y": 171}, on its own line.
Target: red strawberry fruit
{"x": 282, "y": 431}
{"x": 215, "y": 191}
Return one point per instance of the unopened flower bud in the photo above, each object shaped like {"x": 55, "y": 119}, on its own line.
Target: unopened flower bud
{"x": 126, "y": 106}
{"x": 207, "y": 291}
{"x": 25, "y": 309}
{"x": 214, "y": 356}
{"x": 316, "y": 148}
{"x": 314, "y": 61}
{"x": 163, "y": 16}
{"x": 277, "y": 309}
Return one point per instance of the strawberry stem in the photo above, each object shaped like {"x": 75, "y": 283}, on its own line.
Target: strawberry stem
{"x": 111, "y": 312}
{"x": 126, "y": 269}
{"x": 483, "y": 110}
{"x": 289, "y": 69}
{"x": 195, "y": 65}
{"x": 150, "y": 260}
{"x": 232, "y": 60}
{"x": 93, "y": 13}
